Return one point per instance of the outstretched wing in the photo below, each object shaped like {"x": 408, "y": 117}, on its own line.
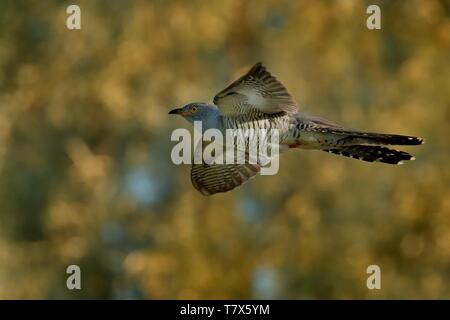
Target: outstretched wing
{"x": 210, "y": 177}
{"x": 257, "y": 90}
{"x": 215, "y": 178}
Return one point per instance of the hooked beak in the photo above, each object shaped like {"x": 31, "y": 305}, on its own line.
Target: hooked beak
{"x": 179, "y": 111}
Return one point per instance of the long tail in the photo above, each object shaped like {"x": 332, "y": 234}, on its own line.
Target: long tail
{"x": 344, "y": 137}
{"x": 368, "y": 146}
{"x": 372, "y": 154}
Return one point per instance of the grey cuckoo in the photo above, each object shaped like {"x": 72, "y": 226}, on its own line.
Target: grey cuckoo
{"x": 258, "y": 100}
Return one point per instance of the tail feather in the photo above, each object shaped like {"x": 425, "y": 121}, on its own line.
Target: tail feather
{"x": 372, "y": 154}
{"x": 360, "y": 137}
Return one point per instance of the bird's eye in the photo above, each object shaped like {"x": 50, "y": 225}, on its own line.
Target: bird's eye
{"x": 194, "y": 109}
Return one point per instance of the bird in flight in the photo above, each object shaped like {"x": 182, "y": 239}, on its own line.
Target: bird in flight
{"x": 258, "y": 100}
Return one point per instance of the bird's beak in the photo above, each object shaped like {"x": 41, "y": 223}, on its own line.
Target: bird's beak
{"x": 179, "y": 111}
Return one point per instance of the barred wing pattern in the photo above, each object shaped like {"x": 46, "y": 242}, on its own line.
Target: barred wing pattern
{"x": 215, "y": 178}
{"x": 255, "y": 92}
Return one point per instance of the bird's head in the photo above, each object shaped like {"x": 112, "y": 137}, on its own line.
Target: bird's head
{"x": 197, "y": 111}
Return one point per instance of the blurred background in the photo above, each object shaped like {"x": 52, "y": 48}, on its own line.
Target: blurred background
{"x": 86, "y": 176}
